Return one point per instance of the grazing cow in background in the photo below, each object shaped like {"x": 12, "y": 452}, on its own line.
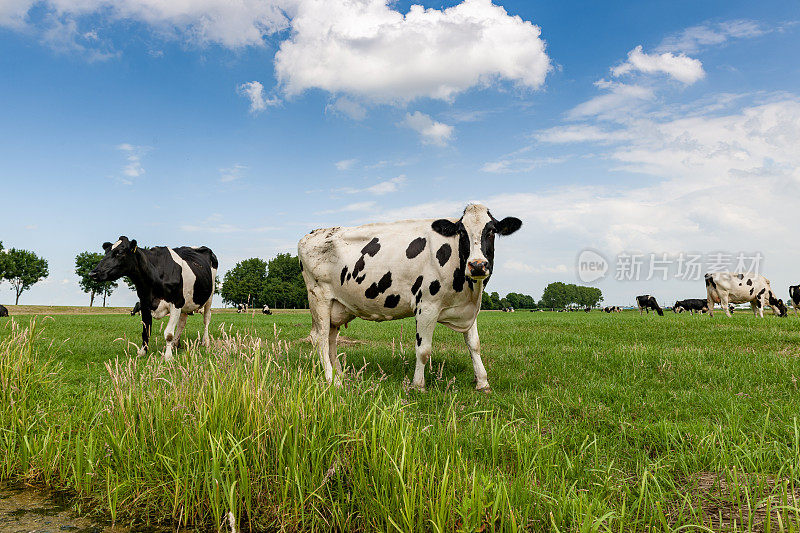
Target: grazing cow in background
{"x": 613, "y": 309}
{"x": 588, "y": 309}
{"x": 735, "y": 287}
{"x": 3, "y": 311}
{"x": 266, "y": 310}
{"x": 691, "y": 305}
{"x": 794, "y": 297}
{"x": 433, "y": 270}
{"x": 241, "y": 308}
{"x": 136, "y": 309}
{"x": 647, "y": 302}
{"x": 169, "y": 281}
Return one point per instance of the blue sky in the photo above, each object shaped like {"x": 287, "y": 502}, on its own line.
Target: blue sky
{"x": 639, "y": 127}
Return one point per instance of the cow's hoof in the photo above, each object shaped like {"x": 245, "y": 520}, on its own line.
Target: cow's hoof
{"x": 486, "y": 389}
{"x": 417, "y": 388}
{"x": 168, "y": 357}
{"x": 141, "y": 352}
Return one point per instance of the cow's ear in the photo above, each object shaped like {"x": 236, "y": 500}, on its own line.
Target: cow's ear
{"x": 133, "y": 245}
{"x": 445, "y": 227}
{"x": 106, "y": 246}
{"x": 508, "y": 225}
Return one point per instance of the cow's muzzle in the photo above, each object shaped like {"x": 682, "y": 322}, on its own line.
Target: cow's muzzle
{"x": 478, "y": 269}
{"x": 96, "y": 275}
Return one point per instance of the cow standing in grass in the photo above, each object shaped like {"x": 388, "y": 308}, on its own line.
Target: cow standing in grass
{"x": 725, "y": 288}
{"x": 433, "y": 270}
{"x": 794, "y": 297}
{"x": 691, "y": 304}
{"x": 169, "y": 281}
{"x": 647, "y": 302}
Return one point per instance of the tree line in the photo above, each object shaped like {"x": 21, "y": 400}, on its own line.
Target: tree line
{"x": 277, "y": 283}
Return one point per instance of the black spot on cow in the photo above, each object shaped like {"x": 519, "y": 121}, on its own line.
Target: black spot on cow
{"x": 342, "y": 276}
{"x": 435, "y": 286}
{"x": 391, "y": 301}
{"x": 749, "y": 281}
{"x": 379, "y": 288}
{"x": 419, "y": 340}
{"x": 443, "y": 254}
{"x": 415, "y": 247}
{"x": 710, "y": 281}
{"x": 371, "y": 248}
{"x": 360, "y": 278}
{"x": 359, "y": 266}
{"x": 349, "y": 276}
{"x": 458, "y": 280}
{"x": 751, "y": 292}
{"x": 419, "y": 297}
{"x": 417, "y": 284}
{"x": 741, "y": 276}
{"x": 472, "y": 283}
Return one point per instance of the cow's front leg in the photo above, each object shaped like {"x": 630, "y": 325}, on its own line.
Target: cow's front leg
{"x": 147, "y": 322}
{"x": 169, "y": 331}
{"x": 474, "y": 345}
{"x": 426, "y": 323}
{"x": 179, "y": 330}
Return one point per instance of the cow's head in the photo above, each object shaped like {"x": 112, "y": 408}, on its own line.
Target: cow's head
{"x": 476, "y": 230}
{"x": 777, "y": 303}
{"x": 677, "y": 308}
{"x": 119, "y": 260}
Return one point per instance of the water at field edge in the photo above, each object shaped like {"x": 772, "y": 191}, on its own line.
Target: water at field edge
{"x": 26, "y": 510}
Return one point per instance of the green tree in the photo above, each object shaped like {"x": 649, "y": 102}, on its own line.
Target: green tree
{"x": 245, "y": 283}
{"x": 85, "y": 263}
{"x": 285, "y": 287}
{"x": 521, "y": 301}
{"x": 23, "y": 269}
{"x": 555, "y": 295}
{"x": 3, "y": 260}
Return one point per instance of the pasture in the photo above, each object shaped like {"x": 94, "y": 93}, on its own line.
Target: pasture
{"x": 596, "y": 422}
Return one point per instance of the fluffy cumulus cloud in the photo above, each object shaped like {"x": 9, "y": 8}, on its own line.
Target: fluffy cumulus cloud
{"x": 430, "y": 131}
{"x": 679, "y": 67}
{"x": 366, "y": 48}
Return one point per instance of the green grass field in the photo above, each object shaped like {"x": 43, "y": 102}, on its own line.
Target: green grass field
{"x": 596, "y": 422}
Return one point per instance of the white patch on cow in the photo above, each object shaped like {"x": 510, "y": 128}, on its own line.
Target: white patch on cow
{"x": 116, "y": 244}
{"x": 189, "y": 278}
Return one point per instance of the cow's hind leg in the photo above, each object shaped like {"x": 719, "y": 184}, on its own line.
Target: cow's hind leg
{"x": 333, "y": 355}
{"x": 206, "y": 322}
{"x": 169, "y": 332}
{"x": 474, "y": 345}
{"x": 321, "y": 329}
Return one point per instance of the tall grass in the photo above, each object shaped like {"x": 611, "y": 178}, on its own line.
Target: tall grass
{"x": 244, "y": 437}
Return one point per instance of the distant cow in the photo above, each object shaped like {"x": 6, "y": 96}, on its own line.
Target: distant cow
{"x": 588, "y": 309}
{"x": 266, "y": 310}
{"x": 794, "y": 297}
{"x": 647, "y": 302}
{"x": 691, "y": 305}
{"x": 136, "y": 309}
{"x": 613, "y": 309}
{"x": 433, "y": 270}
{"x": 241, "y": 308}
{"x": 169, "y": 281}
{"x": 728, "y": 287}
{"x": 3, "y": 311}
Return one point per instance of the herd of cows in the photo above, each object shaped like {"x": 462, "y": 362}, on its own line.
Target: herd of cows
{"x": 433, "y": 270}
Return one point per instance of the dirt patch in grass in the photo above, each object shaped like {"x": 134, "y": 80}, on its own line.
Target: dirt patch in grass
{"x": 735, "y": 501}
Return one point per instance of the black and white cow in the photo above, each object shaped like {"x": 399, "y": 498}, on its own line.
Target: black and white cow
{"x": 691, "y": 304}
{"x": 3, "y": 311}
{"x": 647, "y": 302}
{"x": 169, "y": 281}
{"x": 794, "y": 297}
{"x": 241, "y": 308}
{"x": 433, "y": 270}
{"x": 735, "y": 287}
{"x": 266, "y": 310}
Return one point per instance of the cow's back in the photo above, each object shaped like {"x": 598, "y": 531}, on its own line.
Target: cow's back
{"x": 204, "y": 264}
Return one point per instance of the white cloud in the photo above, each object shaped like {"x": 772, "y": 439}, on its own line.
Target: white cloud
{"x": 229, "y": 23}
{"x": 519, "y": 164}
{"x": 345, "y": 164}
{"x": 254, "y": 91}
{"x": 133, "y": 168}
{"x": 348, "y": 107}
{"x": 368, "y": 49}
{"x": 694, "y": 38}
{"x": 350, "y": 208}
{"x": 519, "y": 266}
{"x": 680, "y": 67}
{"x": 379, "y": 189}
{"x": 580, "y": 133}
{"x": 430, "y": 131}
{"x": 619, "y": 97}
{"x": 231, "y": 174}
